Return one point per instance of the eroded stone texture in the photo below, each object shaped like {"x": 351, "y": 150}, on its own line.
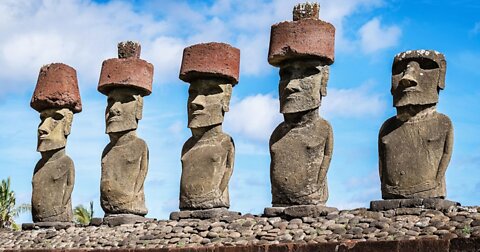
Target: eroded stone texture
{"x": 415, "y": 146}
{"x": 301, "y": 146}
{"x": 208, "y": 156}
{"x": 125, "y": 158}
{"x": 56, "y": 97}
{"x": 306, "y": 36}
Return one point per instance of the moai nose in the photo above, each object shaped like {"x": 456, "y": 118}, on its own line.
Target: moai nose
{"x": 44, "y": 128}
{"x": 198, "y": 102}
{"x": 410, "y": 75}
{"x": 293, "y": 86}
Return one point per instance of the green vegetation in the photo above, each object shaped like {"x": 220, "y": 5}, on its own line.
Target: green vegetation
{"x": 82, "y": 215}
{"x": 8, "y": 211}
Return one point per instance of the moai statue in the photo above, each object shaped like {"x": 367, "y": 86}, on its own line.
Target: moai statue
{"x": 301, "y": 146}
{"x": 125, "y": 159}
{"x": 57, "y": 98}
{"x": 207, "y": 157}
{"x": 415, "y": 146}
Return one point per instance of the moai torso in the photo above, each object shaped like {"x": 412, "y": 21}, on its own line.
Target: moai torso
{"x": 52, "y": 185}
{"x": 299, "y": 161}
{"x": 207, "y": 165}
{"x": 411, "y": 156}
{"x": 124, "y": 167}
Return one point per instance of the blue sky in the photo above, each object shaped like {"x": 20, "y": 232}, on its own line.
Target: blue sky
{"x": 83, "y": 33}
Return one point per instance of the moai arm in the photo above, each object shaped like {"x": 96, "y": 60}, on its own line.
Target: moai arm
{"x": 381, "y": 152}
{"x": 229, "y": 165}
{"x": 447, "y": 154}
{"x": 327, "y": 156}
{"x": 69, "y": 186}
{"x": 142, "y": 173}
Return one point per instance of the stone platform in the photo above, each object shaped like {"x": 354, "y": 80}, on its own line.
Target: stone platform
{"x": 53, "y": 224}
{"x": 429, "y": 203}
{"x": 113, "y": 220}
{"x": 299, "y": 211}
{"x": 204, "y": 214}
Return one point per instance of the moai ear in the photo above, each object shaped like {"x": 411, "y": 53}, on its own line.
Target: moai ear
{"x": 325, "y": 75}
{"x": 138, "y": 107}
{"x": 227, "y": 90}
{"x": 442, "y": 72}
{"x": 67, "y": 122}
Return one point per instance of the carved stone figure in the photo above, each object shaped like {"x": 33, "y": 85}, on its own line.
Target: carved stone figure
{"x": 415, "y": 146}
{"x": 125, "y": 159}
{"x": 56, "y": 97}
{"x": 207, "y": 157}
{"x": 301, "y": 146}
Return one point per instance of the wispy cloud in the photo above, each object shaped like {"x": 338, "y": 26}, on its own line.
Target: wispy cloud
{"x": 374, "y": 36}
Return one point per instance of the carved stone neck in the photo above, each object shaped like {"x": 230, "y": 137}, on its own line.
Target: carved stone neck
{"x": 301, "y": 118}
{"x": 121, "y": 138}
{"x": 206, "y": 132}
{"x": 415, "y": 112}
{"x": 53, "y": 154}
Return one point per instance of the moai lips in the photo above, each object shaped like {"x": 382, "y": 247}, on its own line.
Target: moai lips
{"x": 213, "y": 59}
{"x": 127, "y": 71}
{"x": 207, "y": 157}
{"x": 305, "y": 37}
{"x": 57, "y": 87}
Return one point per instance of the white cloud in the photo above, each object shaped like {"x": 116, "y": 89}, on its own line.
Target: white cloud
{"x": 375, "y": 37}
{"x": 353, "y": 102}
{"x": 254, "y": 116}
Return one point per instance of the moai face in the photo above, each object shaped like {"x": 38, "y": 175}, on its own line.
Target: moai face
{"x": 123, "y": 111}
{"x": 54, "y": 129}
{"x": 416, "y": 78}
{"x": 208, "y": 100}
{"x": 302, "y": 85}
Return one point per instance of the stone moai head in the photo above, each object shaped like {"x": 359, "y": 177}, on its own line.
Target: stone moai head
{"x": 56, "y": 98}
{"x": 212, "y": 70}
{"x": 125, "y": 81}
{"x": 417, "y": 77}
{"x": 303, "y": 49}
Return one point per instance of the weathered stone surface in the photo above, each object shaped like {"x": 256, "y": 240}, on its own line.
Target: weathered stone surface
{"x": 207, "y": 156}
{"x": 210, "y": 60}
{"x": 415, "y": 146}
{"x": 125, "y": 158}
{"x": 305, "y": 37}
{"x": 96, "y": 221}
{"x": 128, "y": 71}
{"x": 55, "y": 96}
{"x": 121, "y": 219}
{"x": 56, "y": 225}
{"x": 57, "y": 87}
{"x": 430, "y": 203}
{"x": 203, "y": 214}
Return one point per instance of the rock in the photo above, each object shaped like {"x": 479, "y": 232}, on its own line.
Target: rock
{"x": 121, "y": 219}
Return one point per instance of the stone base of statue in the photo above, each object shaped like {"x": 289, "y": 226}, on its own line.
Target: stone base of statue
{"x": 119, "y": 219}
{"x": 298, "y": 211}
{"x": 428, "y": 203}
{"x": 50, "y": 224}
{"x": 204, "y": 214}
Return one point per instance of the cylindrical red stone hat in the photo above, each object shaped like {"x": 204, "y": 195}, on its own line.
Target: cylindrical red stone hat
{"x": 210, "y": 60}
{"x": 304, "y": 37}
{"x": 126, "y": 71}
{"x": 57, "y": 87}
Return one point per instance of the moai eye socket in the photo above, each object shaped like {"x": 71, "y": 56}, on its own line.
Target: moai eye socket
{"x": 285, "y": 74}
{"x": 425, "y": 64}
{"x": 309, "y": 71}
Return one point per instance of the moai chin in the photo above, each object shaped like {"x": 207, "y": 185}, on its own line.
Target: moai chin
{"x": 415, "y": 146}
{"x": 56, "y": 98}
{"x": 124, "y": 80}
{"x": 301, "y": 146}
{"x": 212, "y": 70}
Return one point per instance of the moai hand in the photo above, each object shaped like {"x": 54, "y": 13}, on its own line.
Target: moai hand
{"x": 56, "y": 97}
{"x": 301, "y": 146}
{"x": 125, "y": 159}
{"x": 415, "y": 146}
{"x": 207, "y": 157}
